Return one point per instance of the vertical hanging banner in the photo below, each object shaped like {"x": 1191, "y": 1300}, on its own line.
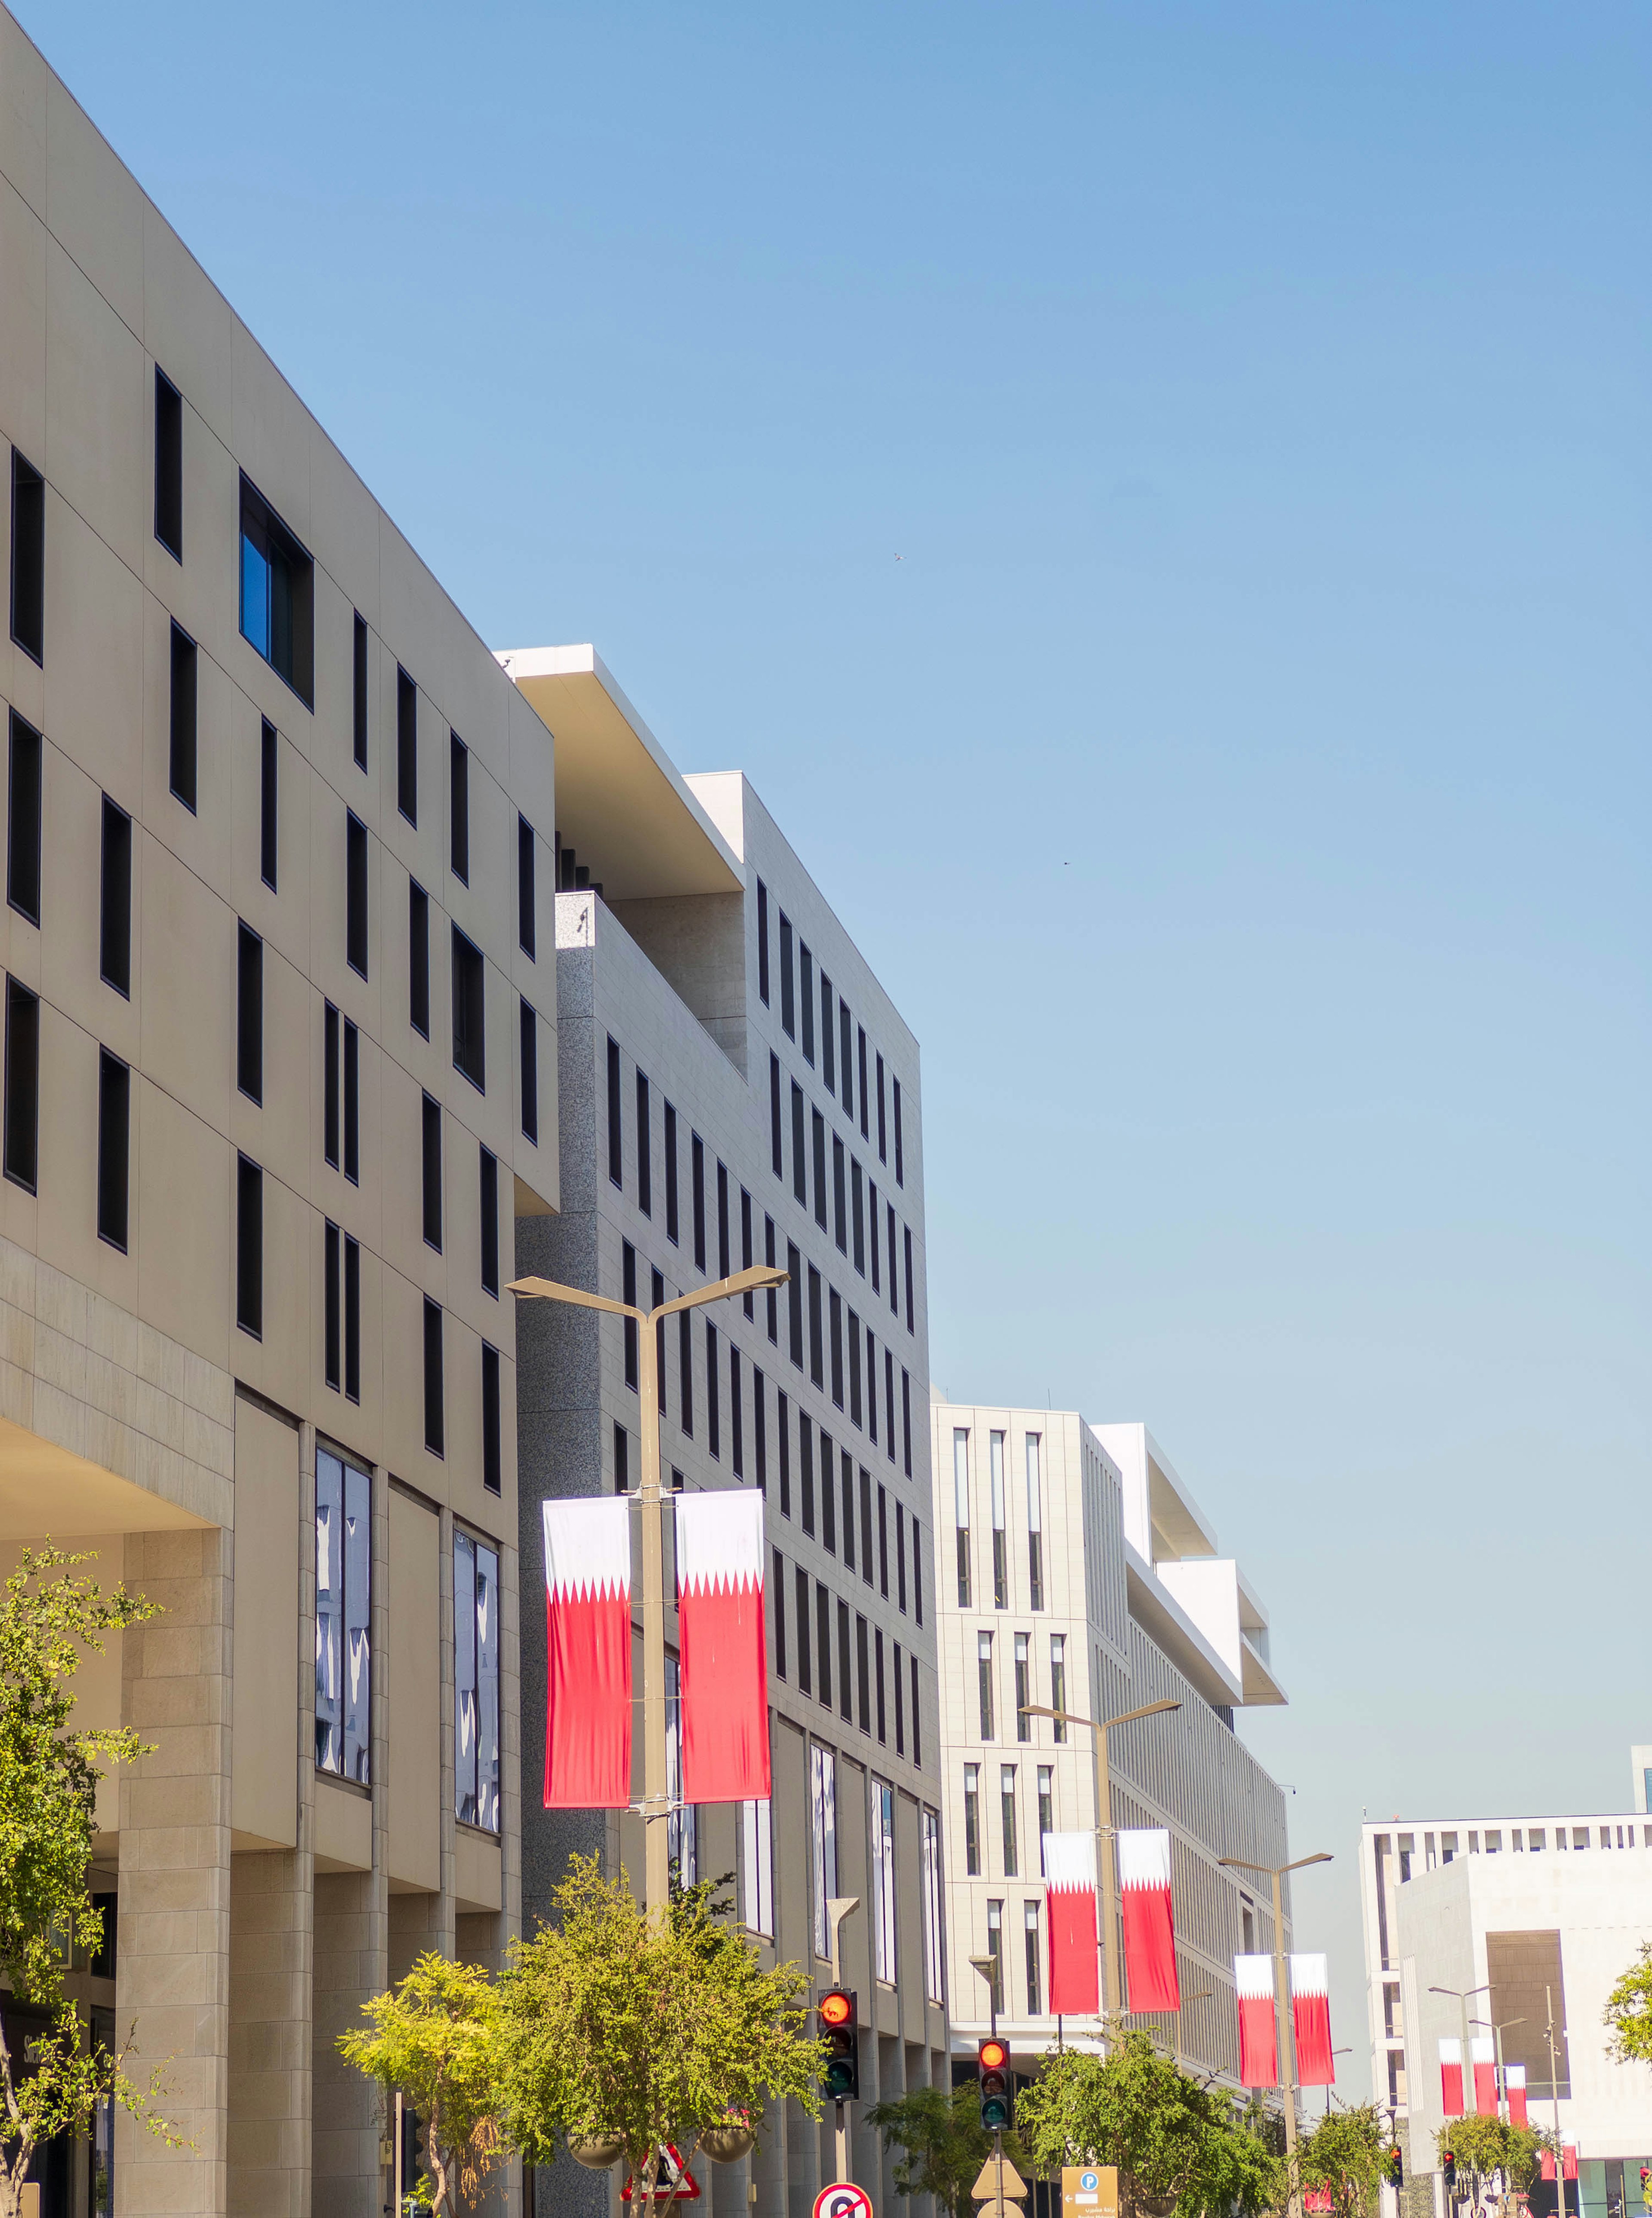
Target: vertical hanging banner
{"x": 1310, "y": 2020}
{"x": 1514, "y": 2086}
{"x": 1451, "y": 2077}
{"x": 1569, "y": 2157}
{"x": 1149, "y": 1935}
{"x": 719, "y": 1631}
{"x": 1070, "y": 1872}
{"x": 588, "y": 1654}
{"x": 1258, "y": 2043}
{"x": 1485, "y": 2076}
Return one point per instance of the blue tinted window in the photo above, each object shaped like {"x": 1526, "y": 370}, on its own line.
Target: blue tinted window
{"x": 255, "y": 597}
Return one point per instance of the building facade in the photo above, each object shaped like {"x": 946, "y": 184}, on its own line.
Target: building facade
{"x": 274, "y": 956}
{"x": 1076, "y": 1572}
{"x": 737, "y": 1087}
{"x": 1534, "y": 1919}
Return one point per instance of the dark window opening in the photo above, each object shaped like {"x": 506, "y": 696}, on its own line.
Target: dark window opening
{"x": 631, "y": 1349}
{"x": 806, "y": 994}
{"x": 828, "y": 1045}
{"x": 671, "y": 1174}
{"x": 431, "y": 1161}
{"x": 697, "y": 1188}
{"x": 113, "y": 1148}
{"x": 527, "y": 905}
{"x": 249, "y": 1247}
{"x": 777, "y": 1124}
{"x": 435, "y": 1417}
{"x": 28, "y": 558}
{"x": 168, "y": 464}
{"x": 788, "y": 988}
{"x": 352, "y": 1320}
{"x": 406, "y": 746}
{"x": 354, "y": 892}
{"x": 419, "y": 959}
{"x": 352, "y": 1104}
{"x": 459, "y": 807}
{"x": 644, "y": 1149}
{"x": 529, "y": 1074}
{"x": 250, "y": 1014}
{"x": 332, "y": 1336}
{"x": 358, "y": 693}
{"x": 22, "y": 1147}
{"x": 181, "y": 763}
{"x": 899, "y": 1152}
{"x": 269, "y": 804}
{"x": 616, "y": 1119}
{"x": 277, "y": 595}
{"x": 725, "y": 1262}
{"x": 469, "y": 1017}
{"x": 114, "y": 900}
{"x": 25, "y": 776}
{"x": 330, "y": 1085}
{"x": 492, "y": 1439}
{"x": 800, "y": 1147}
{"x": 714, "y": 1401}
{"x": 763, "y": 943}
{"x": 490, "y": 1219}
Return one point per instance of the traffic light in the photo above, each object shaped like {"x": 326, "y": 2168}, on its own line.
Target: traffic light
{"x": 840, "y": 2028}
{"x": 1449, "y": 2165}
{"x": 1396, "y": 2168}
{"x": 993, "y": 2070}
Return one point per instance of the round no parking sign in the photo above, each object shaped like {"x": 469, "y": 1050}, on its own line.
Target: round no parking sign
{"x": 843, "y": 2200}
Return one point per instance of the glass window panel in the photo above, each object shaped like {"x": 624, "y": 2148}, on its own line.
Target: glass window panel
{"x": 487, "y": 1679}
{"x": 358, "y": 1624}
{"x": 328, "y": 1612}
{"x": 824, "y": 1813}
{"x": 464, "y": 1677}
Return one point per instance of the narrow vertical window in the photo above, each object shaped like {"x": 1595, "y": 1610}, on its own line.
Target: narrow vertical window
{"x": 358, "y": 692}
{"x": 419, "y": 959}
{"x": 685, "y": 1367}
{"x": 863, "y": 1672}
{"x": 476, "y": 1683}
{"x": 628, "y": 1325}
{"x": 26, "y": 765}
{"x": 865, "y": 1523}
{"x": 616, "y": 1119}
{"x": 713, "y": 1398}
{"x": 492, "y": 1446}
{"x": 916, "y": 1572}
{"x": 900, "y": 1555}
{"x": 645, "y": 1150}
{"x": 905, "y": 1422}
{"x": 899, "y": 1153}
{"x": 671, "y": 1174}
{"x": 845, "y": 1040}
{"x": 352, "y": 1320}
{"x": 343, "y": 1619}
{"x": 828, "y": 1044}
{"x": 724, "y": 1261}
{"x": 114, "y": 900}
{"x": 794, "y": 1305}
{"x": 1035, "y": 1523}
{"x": 882, "y": 1710}
{"x": 860, "y": 1058}
{"x": 805, "y": 1677}
{"x": 354, "y": 892}
{"x": 249, "y": 1247}
{"x": 839, "y": 1196}
{"x": 806, "y": 996}
{"x": 332, "y": 1335}
{"x": 776, "y": 1123}
{"x": 330, "y": 1085}
{"x": 352, "y": 1104}
{"x": 28, "y": 558}
{"x": 1058, "y": 1681}
{"x": 277, "y": 594}
{"x": 406, "y": 746}
{"x": 984, "y": 1683}
{"x": 882, "y": 1130}
{"x": 490, "y": 1223}
{"x": 736, "y": 1416}
{"x": 168, "y": 464}
{"x": 882, "y": 1538}
{"x": 778, "y": 1588}
{"x": 834, "y": 1312}
{"x": 469, "y": 1012}
{"x": 431, "y": 1135}
{"x": 435, "y": 1403}
{"x": 250, "y": 1014}
{"x": 818, "y": 1125}
{"x": 697, "y": 1191}
{"x": 180, "y": 760}
{"x": 1001, "y": 1544}
{"x": 763, "y": 943}
{"x": 906, "y": 1235}
{"x": 459, "y": 814}
{"x": 858, "y": 1213}
{"x": 823, "y": 1644}
{"x": 800, "y": 1147}
{"x": 899, "y": 1703}
{"x": 527, "y": 901}
{"x": 783, "y": 1441}
{"x": 894, "y": 1273}
{"x": 749, "y": 1301}
{"x": 917, "y": 1735}
{"x": 756, "y": 1868}
{"x": 772, "y": 1296}
{"x": 1035, "y": 1959}
{"x": 1023, "y": 1687}
{"x": 888, "y": 1404}
{"x": 269, "y": 804}
{"x": 759, "y": 1430}
{"x": 657, "y": 1295}
{"x": 817, "y": 1329}
{"x": 529, "y": 1074}
{"x": 113, "y": 1148}
{"x": 622, "y": 1460}
{"x": 788, "y": 987}
{"x": 972, "y": 1820}
{"x": 1046, "y": 1809}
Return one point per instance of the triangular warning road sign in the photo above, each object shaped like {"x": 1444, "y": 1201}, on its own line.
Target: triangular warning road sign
{"x": 673, "y": 2173}
{"x": 995, "y": 2182}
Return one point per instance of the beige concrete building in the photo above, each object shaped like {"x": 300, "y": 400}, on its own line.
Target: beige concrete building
{"x": 1078, "y": 1572}
{"x": 280, "y": 1071}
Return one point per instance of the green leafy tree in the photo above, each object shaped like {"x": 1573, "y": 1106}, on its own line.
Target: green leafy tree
{"x": 1178, "y": 2146}
{"x": 49, "y": 1775}
{"x": 644, "y": 2028}
{"x": 943, "y": 2142}
{"x": 1483, "y": 2146}
{"x": 1345, "y": 2155}
{"x": 436, "y": 2040}
{"x": 1628, "y": 2013}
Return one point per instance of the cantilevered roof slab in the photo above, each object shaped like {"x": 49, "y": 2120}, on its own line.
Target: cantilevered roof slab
{"x": 620, "y": 803}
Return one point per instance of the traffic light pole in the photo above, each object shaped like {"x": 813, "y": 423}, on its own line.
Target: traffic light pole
{"x": 837, "y": 1908}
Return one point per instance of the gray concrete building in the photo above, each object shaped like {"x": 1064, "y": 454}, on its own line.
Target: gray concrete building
{"x": 277, "y": 978}
{"x": 1078, "y": 1572}
{"x": 736, "y": 1087}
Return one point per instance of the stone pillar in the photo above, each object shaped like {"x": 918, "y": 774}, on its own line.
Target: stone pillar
{"x": 173, "y": 1956}
{"x": 271, "y": 2033}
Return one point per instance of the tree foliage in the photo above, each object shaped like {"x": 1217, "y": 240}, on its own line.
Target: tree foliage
{"x": 645, "y": 2028}
{"x": 1483, "y": 2146}
{"x": 943, "y": 2141}
{"x": 1345, "y": 2155}
{"x": 1628, "y": 2013}
{"x": 436, "y": 2039}
{"x": 1178, "y": 2146}
{"x": 49, "y": 1775}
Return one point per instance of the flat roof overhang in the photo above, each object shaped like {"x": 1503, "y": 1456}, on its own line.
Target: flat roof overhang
{"x": 48, "y": 1490}
{"x": 622, "y": 804}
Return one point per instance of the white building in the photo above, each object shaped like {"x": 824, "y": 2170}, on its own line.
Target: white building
{"x": 735, "y": 1086}
{"x": 1530, "y": 1917}
{"x": 1076, "y": 1571}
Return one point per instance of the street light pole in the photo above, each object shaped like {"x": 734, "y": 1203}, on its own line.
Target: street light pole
{"x": 1285, "y": 2031}
{"x": 656, "y": 1800}
{"x": 1112, "y": 1996}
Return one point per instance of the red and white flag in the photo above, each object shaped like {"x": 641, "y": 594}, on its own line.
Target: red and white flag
{"x": 1149, "y": 1935}
{"x": 1514, "y": 2086}
{"x": 1070, "y": 1874}
{"x": 725, "y": 1663}
{"x": 1485, "y": 2075}
{"x": 1259, "y": 2045}
{"x": 588, "y": 1653}
{"x": 1310, "y": 2020}
{"x": 1451, "y": 2077}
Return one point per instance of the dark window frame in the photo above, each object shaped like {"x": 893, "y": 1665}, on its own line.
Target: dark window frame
{"x": 469, "y": 1010}
{"x": 289, "y": 643}
{"x": 169, "y": 465}
{"x": 184, "y": 719}
{"x": 459, "y": 807}
{"x": 26, "y": 789}
{"x": 113, "y": 1150}
{"x": 28, "y": 558}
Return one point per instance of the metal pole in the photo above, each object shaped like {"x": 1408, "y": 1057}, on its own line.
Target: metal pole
{"x": 656, "y": 1821}
{"x": 837, "y": 1908}
{"x": 1287, "y": 2046}
{"x": 1553, "y": 2084}
{"x": 1109, "y": 1877}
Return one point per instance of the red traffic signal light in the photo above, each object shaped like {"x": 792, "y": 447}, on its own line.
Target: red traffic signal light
{"x": 840, "y": 2025}
{"x": 837, "y": 2008}
{"x": 992, "y": 2071}
{"x": 993, "y": 2055}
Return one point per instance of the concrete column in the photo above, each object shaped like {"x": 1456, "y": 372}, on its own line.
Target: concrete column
{"x": 173, "y": 1957}
{"x": 271, "y": 2034}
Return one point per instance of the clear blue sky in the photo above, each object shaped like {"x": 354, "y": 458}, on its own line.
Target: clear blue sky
{"x": 1241, "y": 782}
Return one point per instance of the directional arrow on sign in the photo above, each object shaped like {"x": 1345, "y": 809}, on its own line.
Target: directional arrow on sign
{"x": 998, "y": 2177}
